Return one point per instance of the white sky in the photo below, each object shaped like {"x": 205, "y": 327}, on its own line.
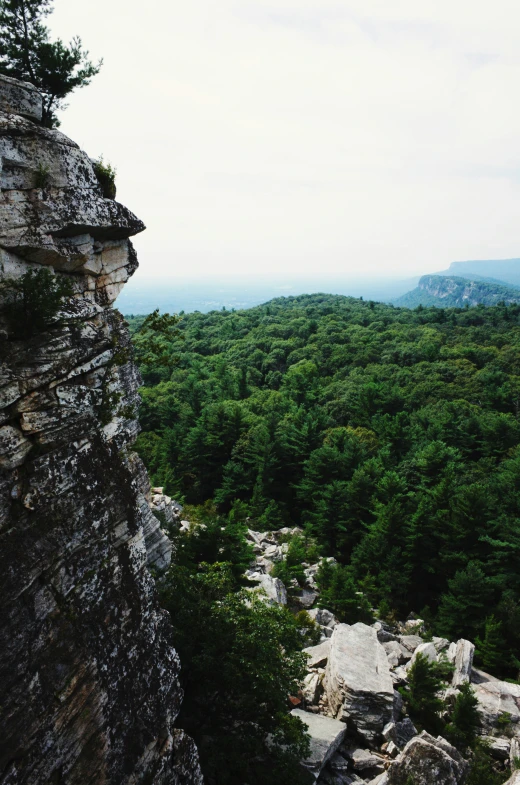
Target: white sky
{"x": 306, "y": 136}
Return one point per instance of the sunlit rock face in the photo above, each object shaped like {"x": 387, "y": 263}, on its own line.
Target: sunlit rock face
{"x": 89, "y": 689}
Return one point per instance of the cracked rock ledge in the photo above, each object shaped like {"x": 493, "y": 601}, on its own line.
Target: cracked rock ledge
{"x": 88, "y": 674}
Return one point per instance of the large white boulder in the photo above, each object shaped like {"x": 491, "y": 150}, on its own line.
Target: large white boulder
{"x": 357, "y": 681}
{"x": 326, "y": 736}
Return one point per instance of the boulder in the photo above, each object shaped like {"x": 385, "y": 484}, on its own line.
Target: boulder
{"x": 326, "y": 736}
{"x": 318, "y": 655}
{"x": 514, "y": 780}
{"x": 410, "y": 642}
{"x": 396, "y": 653}
{"x": 357, "y": 681}
{"x": 463, "y": 662}
{"x": 441, "y": 644}
{"x": 306, "y": 598}
{"x": 312, "y": 688}
{"x": 271, "y": 588}
{"x": 426, "y": 760}
{"x": 20, "y": 98}
{"x": 498, "y": 747}
{"x": 495, "y": 700}
{"x": 428, "y": 650}
{"x": 365, "y": 760}
{"x": 405, "y": 732}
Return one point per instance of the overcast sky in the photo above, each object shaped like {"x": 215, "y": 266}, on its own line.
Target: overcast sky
{"x": 306, "y": 136}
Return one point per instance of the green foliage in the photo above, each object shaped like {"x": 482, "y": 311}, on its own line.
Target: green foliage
{"x": 241, "y": 659}
{"x": 340, "y": 594}
{"x": 443, "y": 667}
{"x": 291, "y": 568}
{"x": 32, "y": 302}
{"x": 482, "y": 770}
{"x": 462, "y": 607}
{"x": 309, "y": 630}
{"x": 421, "y": 695}
{"x": 391, "y": 436}
{"x": 26, "y": 53}
{"x": 465, "y": 721}
{"x": 152, "y": 344}
{"x": 489, "y": 651}
{"x": 41, "y": 179}
{"x": 106, "y": 177}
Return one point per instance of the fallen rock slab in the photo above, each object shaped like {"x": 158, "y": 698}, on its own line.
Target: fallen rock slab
{"x": 357, "y": 682}
{"x": 326, "y": 736}
{"x": 318, "y": 655}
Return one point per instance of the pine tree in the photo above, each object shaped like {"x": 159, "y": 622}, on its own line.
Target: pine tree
{"x": 26, "y": 53}
{"x": 421, "y": 695}
{"x": 462, "y": 730}
{"x": 489, "y": 650}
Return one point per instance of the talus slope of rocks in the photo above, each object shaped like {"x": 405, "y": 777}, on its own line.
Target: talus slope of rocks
{"x": 350, "y": 699}
{"x": 89, "y": 673}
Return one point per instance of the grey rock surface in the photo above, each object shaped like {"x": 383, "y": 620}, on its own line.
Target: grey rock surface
{"x": 357, "y": 680}
{"x": 426, "y": 760}
{"x": 463, "y": 662}
{"x": 89, "y": 674}
{"x": 326, "y": 736}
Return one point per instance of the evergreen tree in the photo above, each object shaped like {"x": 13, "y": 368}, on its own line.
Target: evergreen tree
{"x": 26, "y": 53}
{"x": 462, "y": 608}
{"x": 421, "y": 695}
{"x": 489, "y": 650}
{"x": 465, "y": 720}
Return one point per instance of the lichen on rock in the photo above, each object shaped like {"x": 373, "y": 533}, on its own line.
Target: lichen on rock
{"x": 89, "y": 673}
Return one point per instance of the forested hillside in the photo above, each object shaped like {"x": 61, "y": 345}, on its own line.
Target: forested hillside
{"x": 392, "y": 436}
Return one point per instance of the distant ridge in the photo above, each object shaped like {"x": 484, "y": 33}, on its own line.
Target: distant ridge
{"x": 452, "y": 291}
{"x": 503, "y": 270}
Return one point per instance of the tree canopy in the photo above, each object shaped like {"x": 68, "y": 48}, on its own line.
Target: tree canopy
{"x": 392, "y": 436}
{"x": 27, "y": 53}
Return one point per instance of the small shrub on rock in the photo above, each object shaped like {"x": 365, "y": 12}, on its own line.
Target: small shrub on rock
{"x": 106, "y": 177}
{"x": 32, "y": 302}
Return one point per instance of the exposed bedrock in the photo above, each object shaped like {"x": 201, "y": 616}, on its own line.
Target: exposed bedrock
{"x": 88, "y": 674}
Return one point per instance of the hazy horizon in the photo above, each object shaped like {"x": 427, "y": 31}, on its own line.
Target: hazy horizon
{"x": 294, "y": 136}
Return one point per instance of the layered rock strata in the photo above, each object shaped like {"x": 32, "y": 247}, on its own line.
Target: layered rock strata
{"x": 88, "y": 674}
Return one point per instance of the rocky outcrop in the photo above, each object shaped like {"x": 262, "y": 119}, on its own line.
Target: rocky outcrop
{"x": 89, "y": 673}
{"x": 357, "y": 681}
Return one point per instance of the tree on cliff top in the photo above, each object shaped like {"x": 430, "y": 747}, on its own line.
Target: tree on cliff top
{"x": 26, "y": 53}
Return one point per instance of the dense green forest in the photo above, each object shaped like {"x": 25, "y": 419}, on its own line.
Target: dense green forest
{"x": 390, "y": 435}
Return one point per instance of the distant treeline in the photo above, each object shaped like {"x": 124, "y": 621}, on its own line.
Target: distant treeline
{"x": 392, "y": 436}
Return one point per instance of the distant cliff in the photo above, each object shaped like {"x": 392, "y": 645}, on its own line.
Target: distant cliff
{"x": 453, "y": 292}
{"x": 89, "y": 688}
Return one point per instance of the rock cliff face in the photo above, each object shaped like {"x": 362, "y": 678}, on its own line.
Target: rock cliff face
{"x": 445, "y": 291}
{"x": 88, "y": 673}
